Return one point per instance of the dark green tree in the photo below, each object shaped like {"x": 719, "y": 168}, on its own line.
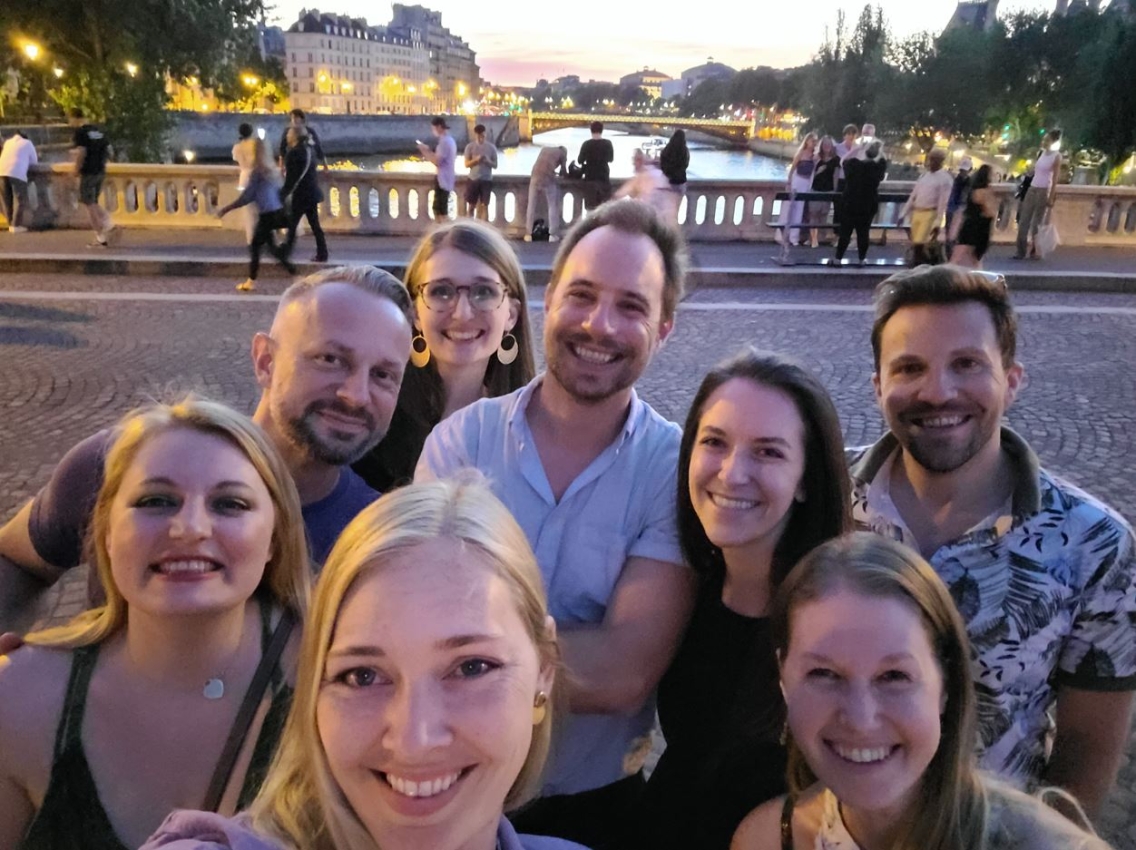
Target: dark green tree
{"x": 116, "y": 55}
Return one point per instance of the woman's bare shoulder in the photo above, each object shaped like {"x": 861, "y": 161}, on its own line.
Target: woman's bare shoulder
{"x": 761, "y": 828}
{"x": 33, "y": 680}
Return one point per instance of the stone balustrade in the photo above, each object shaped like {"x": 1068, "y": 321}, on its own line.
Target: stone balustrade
{"x": 393, "y": 203}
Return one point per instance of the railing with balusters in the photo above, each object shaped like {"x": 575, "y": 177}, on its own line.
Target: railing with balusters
{"x": 390, "y": 203}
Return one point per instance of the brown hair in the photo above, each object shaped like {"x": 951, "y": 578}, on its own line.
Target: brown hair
{"x": 951, "y": 805}
{"x": 637, "y": 218}
{"x": 945, "y": 285}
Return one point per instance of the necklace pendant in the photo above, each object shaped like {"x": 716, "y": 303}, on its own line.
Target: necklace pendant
{"x": 214, "y": 689}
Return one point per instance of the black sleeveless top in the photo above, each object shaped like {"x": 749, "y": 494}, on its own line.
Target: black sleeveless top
{"x": 72, "y": 816}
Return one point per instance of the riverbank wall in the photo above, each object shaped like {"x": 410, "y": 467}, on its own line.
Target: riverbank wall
{"x": 211, "y": 136}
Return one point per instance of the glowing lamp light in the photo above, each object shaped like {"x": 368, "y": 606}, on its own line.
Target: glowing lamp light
{"x": 189, "y": 155}
{"x": 323, "y": 78}
{"x": 260, "y": 132}
{"x": 250, "y": 80}
{"x": 131, "y": 69}
{"x": 32, "y": 50}
{"x": 462, "y": 89}
{"x": 58, "y": 72}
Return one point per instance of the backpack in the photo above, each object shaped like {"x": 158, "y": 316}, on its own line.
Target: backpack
{"x": 540, "y": 230}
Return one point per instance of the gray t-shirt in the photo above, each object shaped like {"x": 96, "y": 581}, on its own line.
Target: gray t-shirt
{"x": 483, "y": 170}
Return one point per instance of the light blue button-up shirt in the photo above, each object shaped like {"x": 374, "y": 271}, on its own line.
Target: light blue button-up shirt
{"x": 621, "y": 506}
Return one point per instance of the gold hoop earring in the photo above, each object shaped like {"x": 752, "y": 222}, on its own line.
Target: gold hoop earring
{"x": 506, "y": 354}
{"x": 540, "y": 708}
{"x": 419, "y": 351}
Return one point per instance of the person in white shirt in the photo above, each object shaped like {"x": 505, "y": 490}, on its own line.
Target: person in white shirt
{"x": 244, "y": 155}
{"x": 1042, "y": 192}
{"x": 927, "y": 205}
{"x": 16, "y": 156}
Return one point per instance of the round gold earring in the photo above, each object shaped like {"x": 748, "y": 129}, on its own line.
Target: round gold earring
{"x": 419, "y": 351}
{"x": 540, "y": 708}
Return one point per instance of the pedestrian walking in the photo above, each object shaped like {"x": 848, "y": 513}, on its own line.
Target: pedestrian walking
{"x": 480, "y": 159}
{"x": 301, "y": 193}
{"x": 244, "y": 155}
{"x": 957, "y": 201}
{"x": 550, "y": 163}
{"x": 16, "y": 156}
{"x": 1040, "y": 195}
{"x": 262, "y": 194}
{"x": 927, "y": 207}
{"x": 89, "y": 153}
{"x": 297, "y": 118}
{"x": 444, "y": 156}
{"x": 649, "y": 185}
{"x": 978, "y": 216}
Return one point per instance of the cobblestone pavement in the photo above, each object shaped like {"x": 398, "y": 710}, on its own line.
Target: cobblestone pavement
{"x": 73, "y": 364}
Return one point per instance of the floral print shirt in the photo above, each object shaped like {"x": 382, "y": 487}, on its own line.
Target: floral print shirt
{"x": 1048, "y": 594}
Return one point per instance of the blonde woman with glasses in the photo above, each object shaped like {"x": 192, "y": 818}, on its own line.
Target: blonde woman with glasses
{"x": 472, "y": 340}
{"x": 423, "y": 706}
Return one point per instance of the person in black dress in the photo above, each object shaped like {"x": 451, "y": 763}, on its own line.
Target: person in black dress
{"x": 978, "y": 216}
{"x": 762, "y": 480}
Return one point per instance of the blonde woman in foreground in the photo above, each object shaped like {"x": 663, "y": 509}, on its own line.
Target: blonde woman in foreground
{"x": 422, "y": 708}
{"x": 174, "y": 692}
{"x": 875, "y": 668}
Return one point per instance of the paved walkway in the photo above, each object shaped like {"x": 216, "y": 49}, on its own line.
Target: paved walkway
{"x": 222, "y": 254}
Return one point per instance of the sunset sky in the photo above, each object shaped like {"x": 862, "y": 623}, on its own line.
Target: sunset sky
{"x": 519, "y": 41}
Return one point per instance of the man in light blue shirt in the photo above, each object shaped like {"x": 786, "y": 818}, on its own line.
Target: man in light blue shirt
{"x": 589, "y": 470}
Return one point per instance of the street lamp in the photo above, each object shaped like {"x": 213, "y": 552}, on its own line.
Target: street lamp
{"x": 132, "y": 69}
{"x": 32, "y": 50}
{"x": 250, "y": 80}
{"x": 58, "y": 72}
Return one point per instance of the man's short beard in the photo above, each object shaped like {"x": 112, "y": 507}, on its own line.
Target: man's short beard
{"x": 318, "y": 448}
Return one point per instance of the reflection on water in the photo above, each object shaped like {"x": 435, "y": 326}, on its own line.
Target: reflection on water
{"x": 706, "y": 162}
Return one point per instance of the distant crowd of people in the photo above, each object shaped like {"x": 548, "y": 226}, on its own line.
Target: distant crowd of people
{"x": 948, "y": 217}
{"x": 427, "y": 598}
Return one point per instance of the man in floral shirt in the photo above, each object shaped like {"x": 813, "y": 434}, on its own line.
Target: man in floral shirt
{"x": 1043, "y": 574}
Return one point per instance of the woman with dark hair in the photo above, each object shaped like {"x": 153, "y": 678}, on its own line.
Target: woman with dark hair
{"x": 762, "y": 480}
{"x": 472, "y": 340}
{"x": 302, "y": 190}
{"x": 674, "y": 160}
{"x": 977, "y": 220}
{"x": 875, "y": 667}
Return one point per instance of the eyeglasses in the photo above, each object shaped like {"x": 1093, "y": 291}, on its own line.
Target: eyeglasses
{"x": 441, "y": 296}
{"x": 995, "y": 278}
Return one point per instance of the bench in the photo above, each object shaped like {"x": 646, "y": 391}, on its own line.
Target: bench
{"x": 890, "y": 202}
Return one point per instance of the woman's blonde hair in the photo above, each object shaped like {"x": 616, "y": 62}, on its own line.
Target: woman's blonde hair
{"x": 300, "y": 804}
{"x": 287, "y": 576}
{"x": 951, "y": 806}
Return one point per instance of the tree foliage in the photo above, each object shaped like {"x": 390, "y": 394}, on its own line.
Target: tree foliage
{"x": 115, "y": 55}
{"x": 1029, "y": 72}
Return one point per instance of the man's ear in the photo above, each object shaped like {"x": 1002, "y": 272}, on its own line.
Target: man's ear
{"x": 665, "y": 328}
{"x": 262, "y": 358}
{"x": 876, "y": 385}
{"x": 1015, "y": 382}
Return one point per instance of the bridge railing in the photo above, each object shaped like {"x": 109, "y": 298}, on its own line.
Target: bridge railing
{"x": 389, "y": 203}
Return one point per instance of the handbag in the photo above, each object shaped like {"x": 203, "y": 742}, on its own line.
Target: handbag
{"x": 287, "y": 199}
{"x": 1047, "y": 239}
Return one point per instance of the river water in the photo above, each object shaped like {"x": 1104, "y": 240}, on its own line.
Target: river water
{"x": 707, "y": 162}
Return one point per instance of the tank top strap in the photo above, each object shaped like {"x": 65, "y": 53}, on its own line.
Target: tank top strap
{"x": 70, "y": 731}
{"x": 787, "y": 822}
{"x": 265, "y": 605}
